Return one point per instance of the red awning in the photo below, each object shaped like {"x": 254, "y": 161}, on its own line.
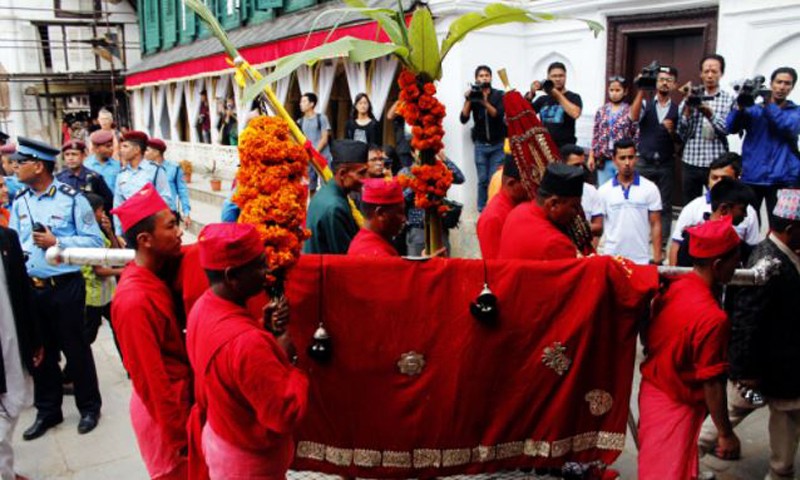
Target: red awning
{"x": 255, "y": 54}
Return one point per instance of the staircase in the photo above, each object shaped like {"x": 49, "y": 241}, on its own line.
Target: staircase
{"x": 206, "y": 204}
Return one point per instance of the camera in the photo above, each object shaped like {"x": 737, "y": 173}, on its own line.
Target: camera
{"x": 649, "y": 76}
{"x": 749, "y": 90}
{"x": 547, "y": 86}
{"x": 476, "y": 91}
{"x": 696, "y": 95}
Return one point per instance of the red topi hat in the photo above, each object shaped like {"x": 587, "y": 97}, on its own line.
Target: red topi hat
{"x": 101, "y": 137}
{"x": 379, "y": 191}
{"x": 73, "y": 145}
{"x": 228, "y": 245}
{"x": 158, "y": 144}
{"x": 142, "y": 204}
{"x": 136, "y": 136}
{"x": 713, "y": 238}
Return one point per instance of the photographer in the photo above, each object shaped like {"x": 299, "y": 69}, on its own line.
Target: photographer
{"x": 557, "y": 108}
{"x": 657, "y": 119}
{"x": 228, "y": 124}
{"x": 701, "y": 124}
{"x": 489, "y": 131}
{"x": 769, "y": 153}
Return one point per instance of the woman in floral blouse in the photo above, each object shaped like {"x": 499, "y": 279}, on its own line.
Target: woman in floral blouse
{"x": 612, "y": 122}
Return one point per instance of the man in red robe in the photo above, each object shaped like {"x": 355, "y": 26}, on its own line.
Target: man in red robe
{"x": 536, "y": 230}
{"x": 383, "y": 205}
{"x": 249, "y": 395}
{"x": 150, "y": 335}
{"x": 683, "y": 375}
{"x": 493, "y": 217}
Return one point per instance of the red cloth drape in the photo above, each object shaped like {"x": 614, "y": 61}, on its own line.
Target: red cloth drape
{"x": 485, "y": 400}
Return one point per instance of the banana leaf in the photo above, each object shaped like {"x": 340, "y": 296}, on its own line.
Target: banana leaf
{"x": 385, "y": 18}
{"x": 424, "y": 55}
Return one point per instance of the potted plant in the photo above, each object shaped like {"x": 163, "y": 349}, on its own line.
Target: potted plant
{"x": 214, "y": 178}
{"x": 186, "y": 166}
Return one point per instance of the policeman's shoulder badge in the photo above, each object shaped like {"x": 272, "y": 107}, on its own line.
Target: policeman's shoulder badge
{"x": 64, "y": 188}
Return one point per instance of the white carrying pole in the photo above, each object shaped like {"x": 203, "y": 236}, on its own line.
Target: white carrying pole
{"x": 107, "y": 257}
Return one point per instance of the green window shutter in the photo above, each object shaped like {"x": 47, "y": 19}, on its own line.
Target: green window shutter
{"x": 202, "y": 30}
{"x": 268, "y": 4}
{"x": 187, "y": 23}
{"x": 169, "y": 23}
{"x": 152, "y": 26}
{"x": 229, "y": 13}
{"x": 295, "y": 5}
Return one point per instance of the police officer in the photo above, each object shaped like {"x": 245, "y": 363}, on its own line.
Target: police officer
{"x": 137, "y": 172}
{"x": 101, "y": 161}
{"x": 77, "y": 176}
{"x": 47, "y": 213}
{"x": 155, "y": 153}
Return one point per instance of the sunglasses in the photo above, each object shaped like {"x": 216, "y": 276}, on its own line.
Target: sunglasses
{"x": 616, "y": 78}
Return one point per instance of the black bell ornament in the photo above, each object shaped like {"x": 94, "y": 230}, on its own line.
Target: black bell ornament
{"x": 320, "y": 349}
{"x": 484, "y": 308}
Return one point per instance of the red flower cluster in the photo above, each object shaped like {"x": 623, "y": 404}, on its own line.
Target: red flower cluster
{"x": 429, "y": 184}
{"x": 270, "y": 190}
{"x": 422, "y": 111}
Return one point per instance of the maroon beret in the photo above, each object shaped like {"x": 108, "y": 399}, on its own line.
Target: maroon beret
{"x": 73, "y": 145}
{"x": 100, "y": 137}
{"x": 158, "y": 144}
{"x": 135, "y": 136}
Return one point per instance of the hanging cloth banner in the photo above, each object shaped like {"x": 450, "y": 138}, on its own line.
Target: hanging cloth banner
{"x": 417, "y": 388}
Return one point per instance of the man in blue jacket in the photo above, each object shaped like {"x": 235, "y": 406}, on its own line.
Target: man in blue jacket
{"x": 770, "y": 158}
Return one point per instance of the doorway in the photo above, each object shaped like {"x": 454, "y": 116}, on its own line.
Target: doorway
{"x": 679, "y": 39}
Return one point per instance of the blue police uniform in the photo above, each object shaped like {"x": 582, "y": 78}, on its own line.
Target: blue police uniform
{"x": 108, "y": 169}
{"x": 88, "y": 181}
{"x": 130, "y": 180}
{"x": 178, "y": 188}
{"x": 59, "y": 291}
{"x": 14, "y": 186}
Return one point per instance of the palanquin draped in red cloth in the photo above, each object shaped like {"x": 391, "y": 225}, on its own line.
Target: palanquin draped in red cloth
{"x": 549, "y": 384}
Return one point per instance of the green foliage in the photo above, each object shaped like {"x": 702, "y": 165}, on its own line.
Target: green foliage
{"x": 493, "y": 14}
{"x": 424, "y": 55}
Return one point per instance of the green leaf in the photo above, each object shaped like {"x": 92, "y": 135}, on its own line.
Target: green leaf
{"x": 365, "y": 50}
{"x": 424, "y": 54}
{"x": 207, "y": 16}
{"x": 493, "y": 14}
{"x": 385, "y": 18}
{"x": 595, "y": 27}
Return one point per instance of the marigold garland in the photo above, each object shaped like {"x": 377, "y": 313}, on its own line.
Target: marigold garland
{"x": 429, "y": 184}
{"x": 270, "y": 190}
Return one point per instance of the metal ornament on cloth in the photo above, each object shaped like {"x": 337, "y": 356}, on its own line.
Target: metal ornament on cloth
{"x": 533, "y": 149}
{"x": 555, "y": 357}
{"x": 600, "y": 402}
{"x": 484, "y": 308}
{"x": 321, "y": 347}
{"x": 411, "y": 363}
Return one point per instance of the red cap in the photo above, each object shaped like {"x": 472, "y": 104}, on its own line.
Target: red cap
{"x": 8, "y": 149}
{"x": 100, "y": 137}
{"x": 142, "y": 204}
{"x": 73, "y": 145}
{"x": 713, "y": 238}
{"x": 158, "y": 144}
{"x": 136, "y": 136}
{"x": 379, "y": 191}
{"x": 228, "y": 245}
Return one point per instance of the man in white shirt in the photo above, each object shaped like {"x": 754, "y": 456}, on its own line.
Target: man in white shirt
{"x": 728, "y": 165}
{"x": 591, "y": 203}
{"x": 631, "y": 210}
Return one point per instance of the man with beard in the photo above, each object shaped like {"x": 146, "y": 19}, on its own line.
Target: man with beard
{"x": 383, "y": 204}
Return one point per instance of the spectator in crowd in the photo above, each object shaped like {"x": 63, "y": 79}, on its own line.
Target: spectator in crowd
{"x": 485, "y": 105}
{"x": 102, "y": 159}
{"x": 8, "y": 153}
{"x": 203, "y": 122}
{"x": 491, "y": 221}
{"x": 701, "y": 125}
{"x": 558, "y": 108}
{"x": 695, "y": 212}
{"x": 106, "y": 121}
{"x": 384, "y": 208}
{"x": 362, "y": 126}
{"x": 376, "y": 162}
{"x": 657, "y": 121}
{"x": 402, "y": 136}
{"x": 612, "y": 123}
{"x": 765, "y": 335}
{"x": 5, "y": 214}
{"x": 230, "y": 211}
{"x": 770, "y": 158}
{"x": 77, "y": 176}
{"x": 683, "y": 374}
{"x": 228, "y": 123}
{"x": 632, "y": 210}
{"x": 49, "y": 213}
{"x": 317, "y": 129}
{"x": 590, "y": 201}
{"x": 177, "y": 185}
{"x": 20, "y": 333}
{"x": 415, "y": 217}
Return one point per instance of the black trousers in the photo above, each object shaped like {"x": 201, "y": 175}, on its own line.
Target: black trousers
{"x": 663, "y": 176}
{"x": 63, "y": 330}
{"x": 768, "y": 193}
{"x": 694, "y": 179}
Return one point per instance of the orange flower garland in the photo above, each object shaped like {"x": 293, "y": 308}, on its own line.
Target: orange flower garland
{"x": 270, "y": 190}
{"x": 429, "y": 184}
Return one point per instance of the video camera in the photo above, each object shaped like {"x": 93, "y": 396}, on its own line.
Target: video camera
{"x": 750, "y": 89}
{"x": 696, "y": 95}
{"x": 476, "y": 91}
{"x": 647, "y": 80}
{"x": 547, "y": 86}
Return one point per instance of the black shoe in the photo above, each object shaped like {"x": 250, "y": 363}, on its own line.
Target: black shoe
{"x": 40, "y": 427}
{"x": 88, "y": 422}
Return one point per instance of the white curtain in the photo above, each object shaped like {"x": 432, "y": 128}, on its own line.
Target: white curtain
{"x": 356, "y": 78}
{"x": 212, "y": 107}
{"x": 242, "y": 108}
{"x": 326, "y": 72}
{"x": 305, "y": 79}
{"x": 192, "y": 94}
{"x": 381, "y": 82}
{"x": 174, "y": 110}
{"x": 160, "y": 130}
{"x": 282, "y": 89}
{"x": 147, "y": 109}
{"x": 137, "y": 109}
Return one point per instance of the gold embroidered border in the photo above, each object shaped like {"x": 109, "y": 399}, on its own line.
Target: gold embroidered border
{"x": 435, "y": 458}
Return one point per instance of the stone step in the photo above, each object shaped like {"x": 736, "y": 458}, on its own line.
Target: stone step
{"x": 200, "y": 191}
{"x": 203, "y": 213}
